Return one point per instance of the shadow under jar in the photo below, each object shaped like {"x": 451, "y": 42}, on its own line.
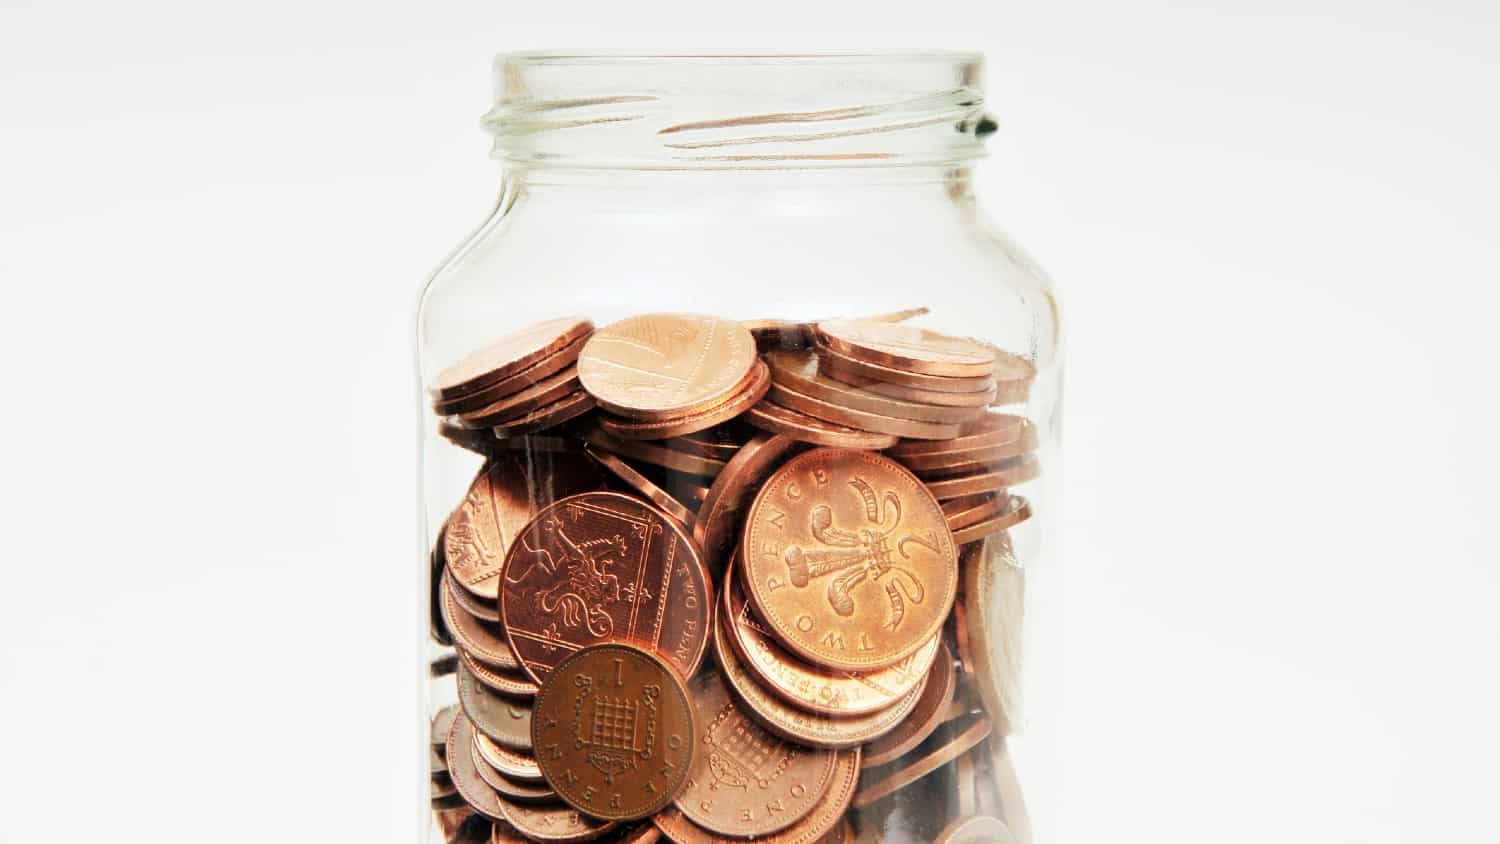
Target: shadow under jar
{"x": 737, "y": 399}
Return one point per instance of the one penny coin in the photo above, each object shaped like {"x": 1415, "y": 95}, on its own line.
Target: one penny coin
{"x": 823, "y": 819}
{"x": 848, "y": 559}
{"x": 769, "y": 416}
{"x": 960, "y": 744}
{"x": 505, "y": 720}
{"x": 909, "y": 347}
{"x": 553, "y": 824}
{"x": 605, "y": 567}
{"x": 799, "y": 371}
{"x": 746, "y": 782}
{"x": 752, "y": 390}
{"x": 507, "y": 356}
{"x": 929, "y": 714}
{"x": 717, "y": 525}
{"x": 614, "y": 731}
{"x": 660, "y": 365}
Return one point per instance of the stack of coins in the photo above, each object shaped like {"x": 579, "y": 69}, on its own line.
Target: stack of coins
{"x": 720, "y": 581}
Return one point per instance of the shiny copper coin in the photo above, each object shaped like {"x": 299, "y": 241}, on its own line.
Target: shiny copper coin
{"x": 970, "y": 509}
{"x": 655, "y": 454}
{"x": 1013, "y": 472}
{"x": 550, "y": 365}
{"x": 505, "y": 720}
{"x": 789, "y": 722}
{"x": 509, "y": 789}
{"x": 476, "y": 792}
{"x": 915, "y": 770}
{"x": 975, "y": 829}
{"x": 507, "y": 356}
{"x": 949, "y": 463}
{"x": 441, "y": 724}
{"x": 848, "y": 559}
{"x": 544, "y": 392}
{"x": 547, "y": 416}
{"x": 769, "y": 416}
{"x": 499, "y": 504}
{"x": 614, "y": 731}
{"x": 553, "y": 823}
{"x": 916, "y": 395}
{"x": 844, "y": 368}
{"x": 484, "y": 643}
{"x": 717, "y": 525}
{"x": 799, "y": 371}
{"x": 642, "y": 484}
{"x": 925, "y": 718}
{"x": 1017, "y": 510}
{"x": 483, "y": 609}
{"x": 507, "y": 683}
{"x": 517, "y": 766}
{"x": 824, "y": 817}
{"x": 811, "y": 687}
{"x": 908, "y": 347}
{"x": 862, "y": 420}
{"x": 605, "y": 567}
{"x": 753, "y": 390}
{"x": 995, "y": 591}
{"x": 993, "y": 430}
{"x": 659, "y": 365}
{"x": 746, "y": 782}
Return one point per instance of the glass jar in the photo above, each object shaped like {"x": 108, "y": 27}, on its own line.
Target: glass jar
{"x": 820, "y": 209}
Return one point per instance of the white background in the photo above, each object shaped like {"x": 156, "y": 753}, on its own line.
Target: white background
{"x": 1275, "y": 228}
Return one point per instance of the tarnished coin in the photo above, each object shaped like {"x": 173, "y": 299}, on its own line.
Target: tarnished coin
{"x": 508, "y": 683}
{"x": 810, "y": 687}
{"x": 499, "y": 503}
{"x": 746, "y": 782}
{"x": 862, "y": 420}
{"x": 853, "y": 370}
{"x": 909, "y": 347}
{"x": 509, "y": 789}
{"x": 553, "y": 823}
{"x": 642, "y": 484}
{"x": 547, "y": 416}
{"x": 517, "y": 766}
{"x": 799, "y": 371}
{"x": 751, "y": 390}
{"x": 661, "y": 365}
{"x": 909, "y": 773}
{"x": 994, "y": 592}
{"x": 506, "y": 720}
{"x": 792, "y": 723}
{"x": 1017, "y": 510}
{"x": 717, "y": 526}
{"x": 975, "y": 829}
{"x": 656, "y": 454}
{"x": 822, "y": 819}
{"x": 1013, "y": 472}
{"x": 476, "y": 792}
{"x": 442, "y": 724}
{"x": 769, "y": 416}
{"x": 485, "y": 644}
{"x": 547, "y": 366}
{"x": 928, "y": 715}
{"x": 507, "y": 356}
{"x": 993, "y": 430}
{"x": 848, "y": 559}
{"x": 605, "y": 567}
{"x": 614, "y": 731}
{"x": 544, "y": 392}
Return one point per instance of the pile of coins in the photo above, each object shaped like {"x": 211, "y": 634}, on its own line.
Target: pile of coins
{"x": 720, "y": 581}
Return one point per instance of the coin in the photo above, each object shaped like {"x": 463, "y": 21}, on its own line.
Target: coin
{"x": 614, "y": 728}
{"x": 481, "y": 608}
{"x": 510, "y": 684}
{"x": 1017, "y": 510}
{"x": 510, "y": 789}
{"x": 660, "y": 365}
{"x": 437, "y": 765}
{"x": 994, "y": 589}
{"x": 656, "y": 454}
{"x": 471, "y": 633}
{"x": 841, "y": 371}
{"x": 925, "y": 718}
{"x": 845, "y": 368}
{"x": 1017, "y": 470}
{"x": 789, "y": 722}
{"x": 435, "y": 626}
{"x": 476, "y": 792}
{"x": 975, "y": 830}
{"x": 823, "y": 818}
{"x": 500, "y": 502}
{"x": 717, "y": 525}
{"x": 507, "y": 721}
{"x": 752, "y": 390}
{"x": 719, "y": 443}
{"x": 441, "y": 724}
{"x": 910, "y": 773}
{"x": 993, "y": 430}
{"x": 971, "y": 509}
{"x": 509, "y": 386}
{"x": 746, "y": 782}
{"x": 799, "y": 371}
{"x": 640, "y": 483}
{"x": 603, "y": 566}
{"x": 544, "y": 392}
{"x": 507, "y": 356}
{"x": 547, "y": 416}
{"x": 825, "y": 533}
{"x": 517, "y": 766}
{"x": 769, "y": 416}
{"x": 809, "y": 687}
{"x": 553, "y": 823}
{"x": 479, "y": 442}
{"x": 441, "y": 788}
{"x": 772, "y": 334}
{"x": 908, "y": 347}
{"x": 456, "y": 827}
{"x": 840, "y": 415}
{"x": 1014, "y": 374}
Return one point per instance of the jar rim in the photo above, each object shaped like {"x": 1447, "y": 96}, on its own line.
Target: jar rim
{"x": 738, "y": 56}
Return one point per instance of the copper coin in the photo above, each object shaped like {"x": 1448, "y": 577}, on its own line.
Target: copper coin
{"x": 746, "y": 782}
{"x": 1014, "y": 374}
{"x": 643, "y": 833}
{"x": 995, "y": 590}
{"x": 548, "y": 416}
{"x": 614, "y": 729}
{"x": 993, "y": 430}
{"x": 975, "y": 829}
{"x": 810, "y": 687}
{"x": 1017, "y": 510}
{"x": 544, "y": 392}
{"x": 753, "y": 390}
{"x": 716, "y": 528}
{"x": 507, "y": 356}
{"x": 929, "y": 714}
{"x": 658, "y": 365}
{"x": 509, "y": 386}
{"x": 441, "y": 724}
{"x": 507, "y": 683}
{"x": 479, "y": 442}
{"x": 769, "y": 416}
{"x": 970, "y": 509}
{"x": 961, "y": 462}
{"x": 840, "y": 415}
{"x": 910, "y": 773}
{"x": 909, "y": 347}
{"x": 476, "y": 792}
{"x": 504, "y": 497}
{"x": 772, "y": 334}
{"x": 848, "y": 559}
{"x": 508, "y": 788}
{"x": 792, "y": 723}
{"x": 553, "y": 823}
{"x": 505, "y": 720}
{"x": 799, "y": 371}
{"x": 1017, "y": 470}
{"x": 485, "y": 644}
{"x": 719, "y": 443}
{"x": 655, "y": 454}
{"x": 843, "y": 367}
{"x": 917, "y": 395}
{"x": 640, "y": 483}
{"x": 824, "y": 817}
{"x": 481, "y": 608}
{"x": 517, "y": 766}
{"x": 603, "y": 566}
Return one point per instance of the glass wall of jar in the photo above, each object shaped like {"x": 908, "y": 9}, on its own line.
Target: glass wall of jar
{"x": 740, "y": 424}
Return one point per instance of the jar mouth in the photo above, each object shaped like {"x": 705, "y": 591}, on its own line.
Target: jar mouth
{"x": 638, "y": 109}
